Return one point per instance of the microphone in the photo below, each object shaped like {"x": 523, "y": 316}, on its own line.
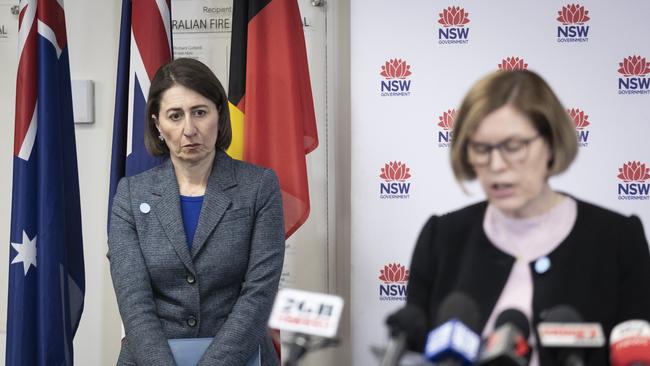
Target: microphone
{"x": 313, "y": 318}
{"x": 508, "y": 344}
{"x": 630, "y": 343}
{"x": 455, "y": 341}
{"x": 406, "y": 326}
{"x": 563, "y": 332}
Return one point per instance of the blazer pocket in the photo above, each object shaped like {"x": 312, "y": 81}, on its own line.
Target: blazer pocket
{"x": 236, "y": 214}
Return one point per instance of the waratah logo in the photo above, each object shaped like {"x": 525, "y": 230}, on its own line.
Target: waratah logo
{"x": 394, "y": 278}
{"x": 395, "y": 69}
{"x": 447, "y": 120}
{"x": 581, "y": 121}
{"x": 453, "y": 16}
{"x": 394, "y": 273}
{"x": 395, "y": 171}
{"x": 513, "y": 63}
{"x": 634, "y": 70}
{"x": 395, "y": 72}
{"x": 453, "y": 31}
{"x": 446, "y": 123}
{"x": 634, "y": 171}
{"x": 573, "y": 29}
{"x": 579, "y": 118}
{"x": 395, "y": 186}
{"x": 634, "y": 175}
{"x": 634, "y": 66}
{"x": 573, "y": 14}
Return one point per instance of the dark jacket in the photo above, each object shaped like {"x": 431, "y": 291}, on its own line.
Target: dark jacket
{"x": 602, "y": 269}
{"x": 223, "y": 288}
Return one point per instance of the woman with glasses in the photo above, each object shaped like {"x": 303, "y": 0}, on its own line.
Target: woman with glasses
{"x": 527, "y": 246}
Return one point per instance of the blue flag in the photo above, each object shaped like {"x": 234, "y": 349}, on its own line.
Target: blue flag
{"x": 147, "y": 22}
{"x": 46, "y": 270}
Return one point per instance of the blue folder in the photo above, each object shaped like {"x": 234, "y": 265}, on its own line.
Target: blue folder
{"x": 188, "y": 351}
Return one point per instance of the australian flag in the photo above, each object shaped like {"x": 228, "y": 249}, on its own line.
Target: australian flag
{"x": 145, "y": 45}
{"x": 46, "y": 270}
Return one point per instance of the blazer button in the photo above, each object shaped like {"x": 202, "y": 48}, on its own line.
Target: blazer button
{"x": 190, "y": 279}
{"x": 191, "y": 321}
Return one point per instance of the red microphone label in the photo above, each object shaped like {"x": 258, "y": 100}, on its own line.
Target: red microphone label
{"x": 571, "y": 334}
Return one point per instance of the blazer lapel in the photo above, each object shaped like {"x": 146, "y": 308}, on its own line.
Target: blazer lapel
{"x": 215, "y": 202}
{"x": 168, "y": 211}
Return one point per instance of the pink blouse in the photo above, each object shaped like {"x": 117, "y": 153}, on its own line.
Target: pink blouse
{"x": 528, "y": 240}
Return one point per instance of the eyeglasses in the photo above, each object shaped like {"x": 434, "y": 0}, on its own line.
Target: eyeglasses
{"x": 512, "y": 151}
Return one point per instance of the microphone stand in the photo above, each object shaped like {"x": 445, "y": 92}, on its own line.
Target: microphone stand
{"x": 301, "y": 344}
{"x": 297, "y": 349}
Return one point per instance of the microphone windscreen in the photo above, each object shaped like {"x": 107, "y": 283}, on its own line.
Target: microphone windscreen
{"x": 462, "y": 307}
{"x": 409, "y": 320}
{"x": 630, "y": 343}
{"x": 516, "y": 318}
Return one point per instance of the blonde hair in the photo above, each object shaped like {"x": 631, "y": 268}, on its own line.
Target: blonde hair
{"x": 529, "y": 94}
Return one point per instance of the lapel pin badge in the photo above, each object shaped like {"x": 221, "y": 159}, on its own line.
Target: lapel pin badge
{"x": 542, "y": 265}
{"x": 145, "y": 208}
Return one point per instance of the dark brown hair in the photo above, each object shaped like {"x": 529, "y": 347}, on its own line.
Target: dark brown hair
{"x": 196, "y": 76}
{"x": 529, "y": 94}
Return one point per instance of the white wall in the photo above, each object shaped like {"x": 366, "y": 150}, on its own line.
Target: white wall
{"x": 93, "y": 29}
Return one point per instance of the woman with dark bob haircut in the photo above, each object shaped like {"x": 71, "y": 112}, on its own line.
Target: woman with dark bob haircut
{"x": 196, "y": 244}
{"x": 527, "y": 247}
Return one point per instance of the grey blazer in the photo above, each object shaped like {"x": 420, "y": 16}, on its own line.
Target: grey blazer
{"x": 224, "y": 288}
